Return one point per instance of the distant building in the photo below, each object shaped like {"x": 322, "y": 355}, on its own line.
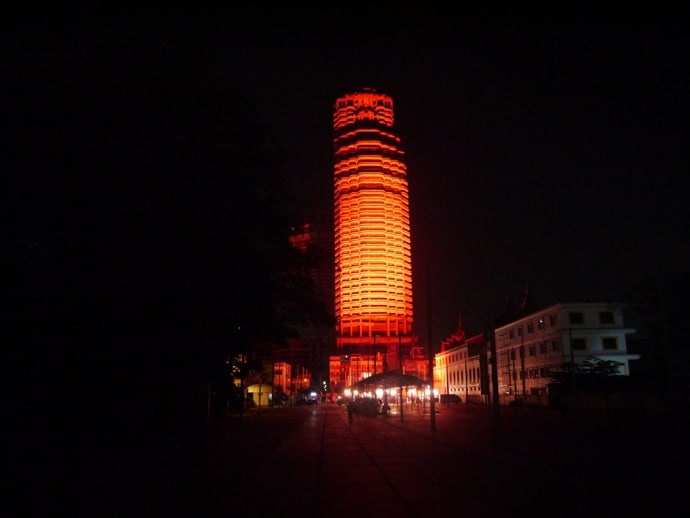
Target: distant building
{"x": 530, "y": 349}
{"x": 308, "y": 354}
{"x": 282, "y": 377}
{"x": 260, "y": 394}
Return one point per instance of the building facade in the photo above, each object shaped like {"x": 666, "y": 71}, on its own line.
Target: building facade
{"x": 531, "y": 349}
{"x": 310, "y": 352}
{"x": 372, "y": 242}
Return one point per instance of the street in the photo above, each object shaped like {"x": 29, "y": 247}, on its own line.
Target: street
{"x": 309, "y": 461}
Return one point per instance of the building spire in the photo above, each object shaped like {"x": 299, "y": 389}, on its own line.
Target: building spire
{"x": 459, "y": 334}
{"x": 525, "y": 298}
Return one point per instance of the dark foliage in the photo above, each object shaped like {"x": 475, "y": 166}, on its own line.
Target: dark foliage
{"x": 593, "y": 368}
{"x": 657, "y": 308}
{"x": 150, "y": 218}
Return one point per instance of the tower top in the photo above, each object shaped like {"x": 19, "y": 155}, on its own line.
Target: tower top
{"x": 364, "y": 105}
{"x": 373, "y": 276}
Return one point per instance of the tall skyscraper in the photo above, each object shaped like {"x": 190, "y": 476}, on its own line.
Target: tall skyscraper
{"x": 373, "y": 253}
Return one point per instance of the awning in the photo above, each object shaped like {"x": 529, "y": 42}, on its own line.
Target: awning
{"x": 388, "y": 380}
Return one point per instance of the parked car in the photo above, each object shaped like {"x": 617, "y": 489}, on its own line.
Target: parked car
{"x": 343, "y": 400}
{"x": 450, "y": 398}
{"x": 367, "y": 406}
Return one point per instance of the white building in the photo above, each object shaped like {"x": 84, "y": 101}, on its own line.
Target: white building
{"x": 530, "y": 349}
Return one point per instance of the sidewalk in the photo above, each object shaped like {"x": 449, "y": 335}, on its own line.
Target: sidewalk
{"x": 309, "y": 461}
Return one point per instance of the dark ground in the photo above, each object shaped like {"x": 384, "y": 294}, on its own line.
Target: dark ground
{"x": 308, "y": 461}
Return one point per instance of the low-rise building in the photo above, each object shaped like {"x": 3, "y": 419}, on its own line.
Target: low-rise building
{"x": 531, "y": 349}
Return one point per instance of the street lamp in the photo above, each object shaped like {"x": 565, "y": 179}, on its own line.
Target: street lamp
{"x": 522, "y": 363}
{"x": 432, "y": 405}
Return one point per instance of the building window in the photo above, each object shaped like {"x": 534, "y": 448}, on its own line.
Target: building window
{"x": 530, "y": 328}
{"x": 542, "y": 348}
{"x": 579, "y": 344}
{"x": 511, "y": 334}
{"x": 606, "y": 317}
{"x": 532, "y": 350}
{"x": 609, "y": 343}
{"x": 554, "y": 345}
{"x": 540, "y": 323}
{"x": 553, "y": 321}
{"x": 519, "y": 330}
{"x": 576, "y": 317}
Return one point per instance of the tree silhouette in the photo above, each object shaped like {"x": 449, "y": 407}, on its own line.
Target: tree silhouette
{"x": 241, "y": 367}
{"x": 151, "y": 225}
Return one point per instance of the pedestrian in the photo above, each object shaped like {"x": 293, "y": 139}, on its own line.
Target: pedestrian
{"x": 350, "y": 411}
{"x": 386, "y": 409}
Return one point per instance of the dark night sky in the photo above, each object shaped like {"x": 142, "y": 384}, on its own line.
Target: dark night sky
{"x": 549, "y": 156}
{"x": 553, "y": 158}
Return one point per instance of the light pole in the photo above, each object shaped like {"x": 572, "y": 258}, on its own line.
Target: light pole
{"x": 432, "y": 404}
{"x": 467, "y": 382}
{"x": 447, "y": 379}
{"x": 522, "y": 364}
{"x": 375, "y": 354}
{"x": 401, "y": 373}
{"x": 494, "y": 383}
{"x": 512, "y": 356}
{"x": 572, "y": 359}
{"x": 258, "y": 406}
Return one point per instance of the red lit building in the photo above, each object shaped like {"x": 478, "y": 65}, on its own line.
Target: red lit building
{"x": 372, "y": 243}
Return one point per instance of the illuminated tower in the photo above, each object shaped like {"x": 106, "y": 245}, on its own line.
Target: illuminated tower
{"x": 373, "y": 259}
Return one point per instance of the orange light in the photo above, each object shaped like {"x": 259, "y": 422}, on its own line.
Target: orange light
{"x": 373, "y": 274}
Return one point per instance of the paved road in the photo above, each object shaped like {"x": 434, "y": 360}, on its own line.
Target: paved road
{"x": 309, "y": 461}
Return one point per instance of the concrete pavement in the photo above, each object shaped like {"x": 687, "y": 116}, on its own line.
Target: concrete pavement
{"x": 309, "y": 461}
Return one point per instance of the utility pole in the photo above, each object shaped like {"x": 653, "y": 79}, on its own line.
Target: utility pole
{"x": 432, "y": 404}
{"x": 572, "y": 361}
{"x": 401, "y": 373}
{"x": 273, "y": 376}
{"x": 494, "y": 384}
{"x": 522, "y": 365}
{"x": 376, "y": 355}
{"x": 258, "y": 406}
{"x": 467, "y": 383}
{"x": 512, "y": 356}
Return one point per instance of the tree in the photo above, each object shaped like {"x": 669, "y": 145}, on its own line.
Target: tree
{"x": 593, "y": 375}
{"x": 657, "y": 309}
{"x": 152, "y": 226}
{"x": 241, "y": 367}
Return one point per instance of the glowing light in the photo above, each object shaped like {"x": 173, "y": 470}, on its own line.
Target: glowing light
{"x": 373, "y": 277}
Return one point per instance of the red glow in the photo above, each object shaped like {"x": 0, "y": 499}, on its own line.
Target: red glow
{"x": 373, "y": 278}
